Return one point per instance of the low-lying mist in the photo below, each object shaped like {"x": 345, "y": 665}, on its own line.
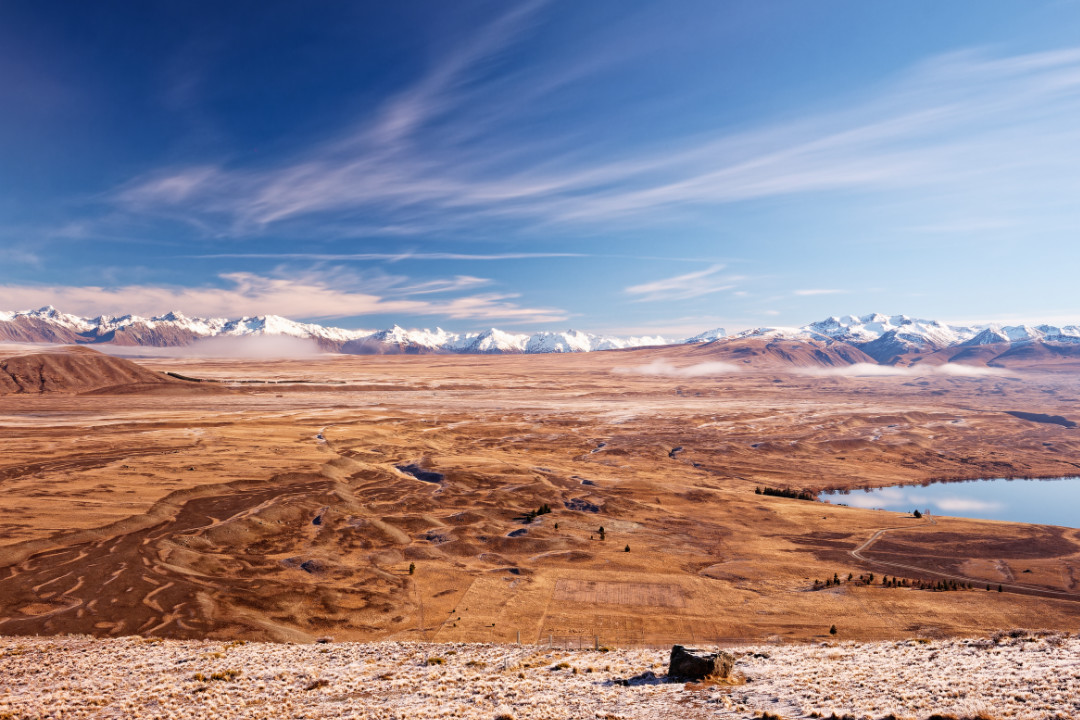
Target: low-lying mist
{"x": 245, "y": 347}
{"x": 870, "y": 370}
{"x": 662, "y": 367}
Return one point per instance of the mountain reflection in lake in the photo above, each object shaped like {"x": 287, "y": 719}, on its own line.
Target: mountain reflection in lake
{"x": 1044, "y": 502}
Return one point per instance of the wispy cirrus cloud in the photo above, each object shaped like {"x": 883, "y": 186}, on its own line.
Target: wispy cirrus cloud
{"x": 20, "y": 256}
{"x": 818, "y": 291}
{"x": 683, "y": 287}
{"x": 394, "y": 257}
{"x": 296, "y": 297}
{"x": 980, "y": 123}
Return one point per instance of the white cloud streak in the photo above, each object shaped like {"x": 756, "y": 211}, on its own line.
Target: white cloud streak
{"x": 964, "y": 119}
{"x": 250, "y": 294}
{"x": 683, "y": 287}
{"x": 393, "y": 257}
{"x": 14, "y": 255}
{"x": 812, "y": 292}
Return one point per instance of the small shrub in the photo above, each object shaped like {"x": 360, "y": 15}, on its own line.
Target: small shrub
{"x": 626, "y": 549}
{"x": 435, "y": 661}
{"x": 533, "y": 514}
{"x": 226, "y": 675}
{"x": 787, "y": 493}
{"x": 832, "y": 630}
{"x": 412, "y": 568}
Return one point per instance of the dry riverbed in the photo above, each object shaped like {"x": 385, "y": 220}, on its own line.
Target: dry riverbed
{"x": 1017, "y": 675}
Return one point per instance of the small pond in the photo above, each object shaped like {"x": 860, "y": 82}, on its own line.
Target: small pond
{"x": 1044, "y": 502}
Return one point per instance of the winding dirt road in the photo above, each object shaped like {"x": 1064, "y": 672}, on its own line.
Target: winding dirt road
{"x": 857, "y": 553}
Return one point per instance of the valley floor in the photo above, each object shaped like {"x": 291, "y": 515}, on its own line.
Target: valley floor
{"x": 1013, "y": 675}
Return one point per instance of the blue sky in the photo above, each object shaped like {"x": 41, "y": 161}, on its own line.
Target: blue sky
{"x": 612, "y": 166}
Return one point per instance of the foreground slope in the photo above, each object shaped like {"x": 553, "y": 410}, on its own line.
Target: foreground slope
{"x": 1020, "y": 675}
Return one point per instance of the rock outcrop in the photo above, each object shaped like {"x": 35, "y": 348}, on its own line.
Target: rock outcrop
{"x": 697, "y": 665}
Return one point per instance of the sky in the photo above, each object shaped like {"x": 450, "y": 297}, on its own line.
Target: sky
{"x": 613, "y": 166}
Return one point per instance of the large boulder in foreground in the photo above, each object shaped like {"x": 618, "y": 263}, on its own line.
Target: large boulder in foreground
{"x": 697, "y": 664}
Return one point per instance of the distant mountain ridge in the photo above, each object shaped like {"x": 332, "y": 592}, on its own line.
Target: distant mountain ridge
{"x": 890, "y": 339}
{"x": 174, "y": 329}
{"x": 886, "y": 339}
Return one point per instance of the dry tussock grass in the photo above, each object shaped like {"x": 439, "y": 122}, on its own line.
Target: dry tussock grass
{"x": 1028, "y": 675}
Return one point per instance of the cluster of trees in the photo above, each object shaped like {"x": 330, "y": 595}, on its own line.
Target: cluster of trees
{"x": 947, "y": 585}
{"x": 833, "y": 581}
{"x": 786, "y": 492}
{"x": 533, "y": 514}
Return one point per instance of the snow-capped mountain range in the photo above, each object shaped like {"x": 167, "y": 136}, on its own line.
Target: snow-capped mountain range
{"x": 49, "y": 325}
{"x": 885, "y": 338}
{"x": 888, "y": 337}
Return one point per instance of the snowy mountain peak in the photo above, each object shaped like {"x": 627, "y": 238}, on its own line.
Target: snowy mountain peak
{"x": 54, "y": 316}
{"x": 707, "y": 336}
{"x": 781, "y": 333}
{"x": 569, "y": 341}
{"x": 996, "y": 334}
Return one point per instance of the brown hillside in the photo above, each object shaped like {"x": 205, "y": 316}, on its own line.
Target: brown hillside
{"x": 34, "y": 330}
{"x": 78, "y": 370}
{"x": 1038, "y": 355}
{"x": 770, "y": 354}
{"x": 140, "y": 334}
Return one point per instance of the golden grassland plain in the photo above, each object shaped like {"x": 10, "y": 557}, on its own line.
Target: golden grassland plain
{"x": 370, "y": 498}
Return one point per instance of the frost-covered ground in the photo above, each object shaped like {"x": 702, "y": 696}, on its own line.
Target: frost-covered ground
{"x": 1021, "y": 676}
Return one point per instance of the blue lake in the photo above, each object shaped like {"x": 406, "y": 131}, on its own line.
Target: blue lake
{"x": 1044, "y": 502}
